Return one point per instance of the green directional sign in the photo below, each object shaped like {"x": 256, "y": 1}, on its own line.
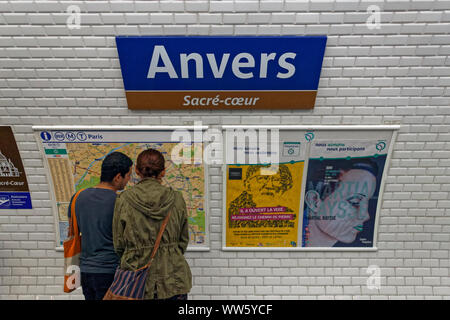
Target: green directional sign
{"x": 55, "y": 151}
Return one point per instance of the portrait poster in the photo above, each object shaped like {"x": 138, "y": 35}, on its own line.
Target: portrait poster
{"x": 263, "y": 200}
{"x": 74, "y": 158}
{"x": 14, "y": 191}
{"x": 341, "y": 192}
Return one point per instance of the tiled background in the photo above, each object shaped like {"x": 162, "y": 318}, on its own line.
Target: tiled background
{"x": 398, "y": 73}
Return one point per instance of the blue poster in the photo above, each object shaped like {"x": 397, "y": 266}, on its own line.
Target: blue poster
{"x": 341, "y": 193}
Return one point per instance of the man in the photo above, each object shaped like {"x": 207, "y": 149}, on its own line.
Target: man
{"x": 94, "y": 209}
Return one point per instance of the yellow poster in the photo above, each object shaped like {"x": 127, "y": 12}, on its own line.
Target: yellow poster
{"x": 262, "y": 204}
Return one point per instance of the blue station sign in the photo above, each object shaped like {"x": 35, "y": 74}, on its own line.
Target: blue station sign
{"x": 221, "y": 72}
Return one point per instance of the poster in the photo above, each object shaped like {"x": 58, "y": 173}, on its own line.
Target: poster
{"x": 14, "y": 192}
{"x": 74, "y": 159}
{"x": 341, "y": 192}
{"x": 263, "y": 200}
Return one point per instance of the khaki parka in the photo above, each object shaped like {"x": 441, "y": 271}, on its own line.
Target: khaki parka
{"x": 138, "y": 216}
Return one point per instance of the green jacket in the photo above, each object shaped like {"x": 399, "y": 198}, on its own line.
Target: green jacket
{"x": 138, "y": 216}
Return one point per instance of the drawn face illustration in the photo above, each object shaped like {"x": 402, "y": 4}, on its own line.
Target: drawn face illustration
{"x": 344, "y": 211}
{"x": 265, "y": 188}
{"x": 268, "y": 185}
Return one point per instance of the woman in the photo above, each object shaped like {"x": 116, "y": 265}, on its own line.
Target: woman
{"x": 138, "y": 216}
{"x": 337, "y": 202}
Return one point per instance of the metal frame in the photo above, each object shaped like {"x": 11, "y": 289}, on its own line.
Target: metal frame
{"x": 36, "y": 130}
{"x": 393, "y": 128}
{"x": 128, "y": 128}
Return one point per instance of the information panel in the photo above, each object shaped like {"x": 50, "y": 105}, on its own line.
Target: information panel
{"x": 14, "y": 191}
{"x": 74, "y": 157}
{"x": 319, "y": 189}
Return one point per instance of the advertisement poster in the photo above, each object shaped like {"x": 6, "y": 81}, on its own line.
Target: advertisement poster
{"x": 341, "y": 193}
{"x": 263, "y": 201}
{"x": 14, "y": 192}
{"x": 74, "y": 160}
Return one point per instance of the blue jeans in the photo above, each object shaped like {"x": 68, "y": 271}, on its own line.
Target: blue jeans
{"x": 95, "y": 285}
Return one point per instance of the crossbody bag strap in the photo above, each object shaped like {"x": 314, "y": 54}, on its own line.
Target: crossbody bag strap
{"x": 158, "y": 240}
{"x": 73, "y": 228}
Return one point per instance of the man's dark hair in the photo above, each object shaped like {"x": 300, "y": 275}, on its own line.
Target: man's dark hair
{"x": 114, "y": 163}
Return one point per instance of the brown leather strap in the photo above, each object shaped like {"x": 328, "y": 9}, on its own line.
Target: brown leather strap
{"x": 73, "y": 227}
{"x": 158, "y": 240}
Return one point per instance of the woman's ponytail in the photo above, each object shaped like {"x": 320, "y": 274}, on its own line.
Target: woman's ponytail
{"x": 150, "y": 163}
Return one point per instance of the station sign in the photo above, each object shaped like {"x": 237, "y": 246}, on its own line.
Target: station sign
{"x": 188, "y": 73}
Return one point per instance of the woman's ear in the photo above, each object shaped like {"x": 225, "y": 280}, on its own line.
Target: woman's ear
{"x": 312, "y": 200}
{"x": 162, "y": 174}
{"x": 137, "y": 172}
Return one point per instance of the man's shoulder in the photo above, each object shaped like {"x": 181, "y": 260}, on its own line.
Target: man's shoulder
{"x": 97, "y": 190}
{"x": 98, "y": 194}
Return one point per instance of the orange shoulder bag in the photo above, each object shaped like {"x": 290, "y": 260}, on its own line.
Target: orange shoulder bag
{"x": 72, "y": 251}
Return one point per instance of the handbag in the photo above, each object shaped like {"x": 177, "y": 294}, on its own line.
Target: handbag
{"x": 72, "y": 251}
{"x": 130, "y": 285}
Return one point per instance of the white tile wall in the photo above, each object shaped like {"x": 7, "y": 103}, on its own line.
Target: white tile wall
{"x": 50, "y": 74}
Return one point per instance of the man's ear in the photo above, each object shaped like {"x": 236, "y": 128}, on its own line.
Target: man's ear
{"x": 312, "y": 200}
{"x": 117, "y": 178}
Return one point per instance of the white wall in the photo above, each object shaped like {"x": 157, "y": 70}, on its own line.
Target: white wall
{"x": 399, "y": 73}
